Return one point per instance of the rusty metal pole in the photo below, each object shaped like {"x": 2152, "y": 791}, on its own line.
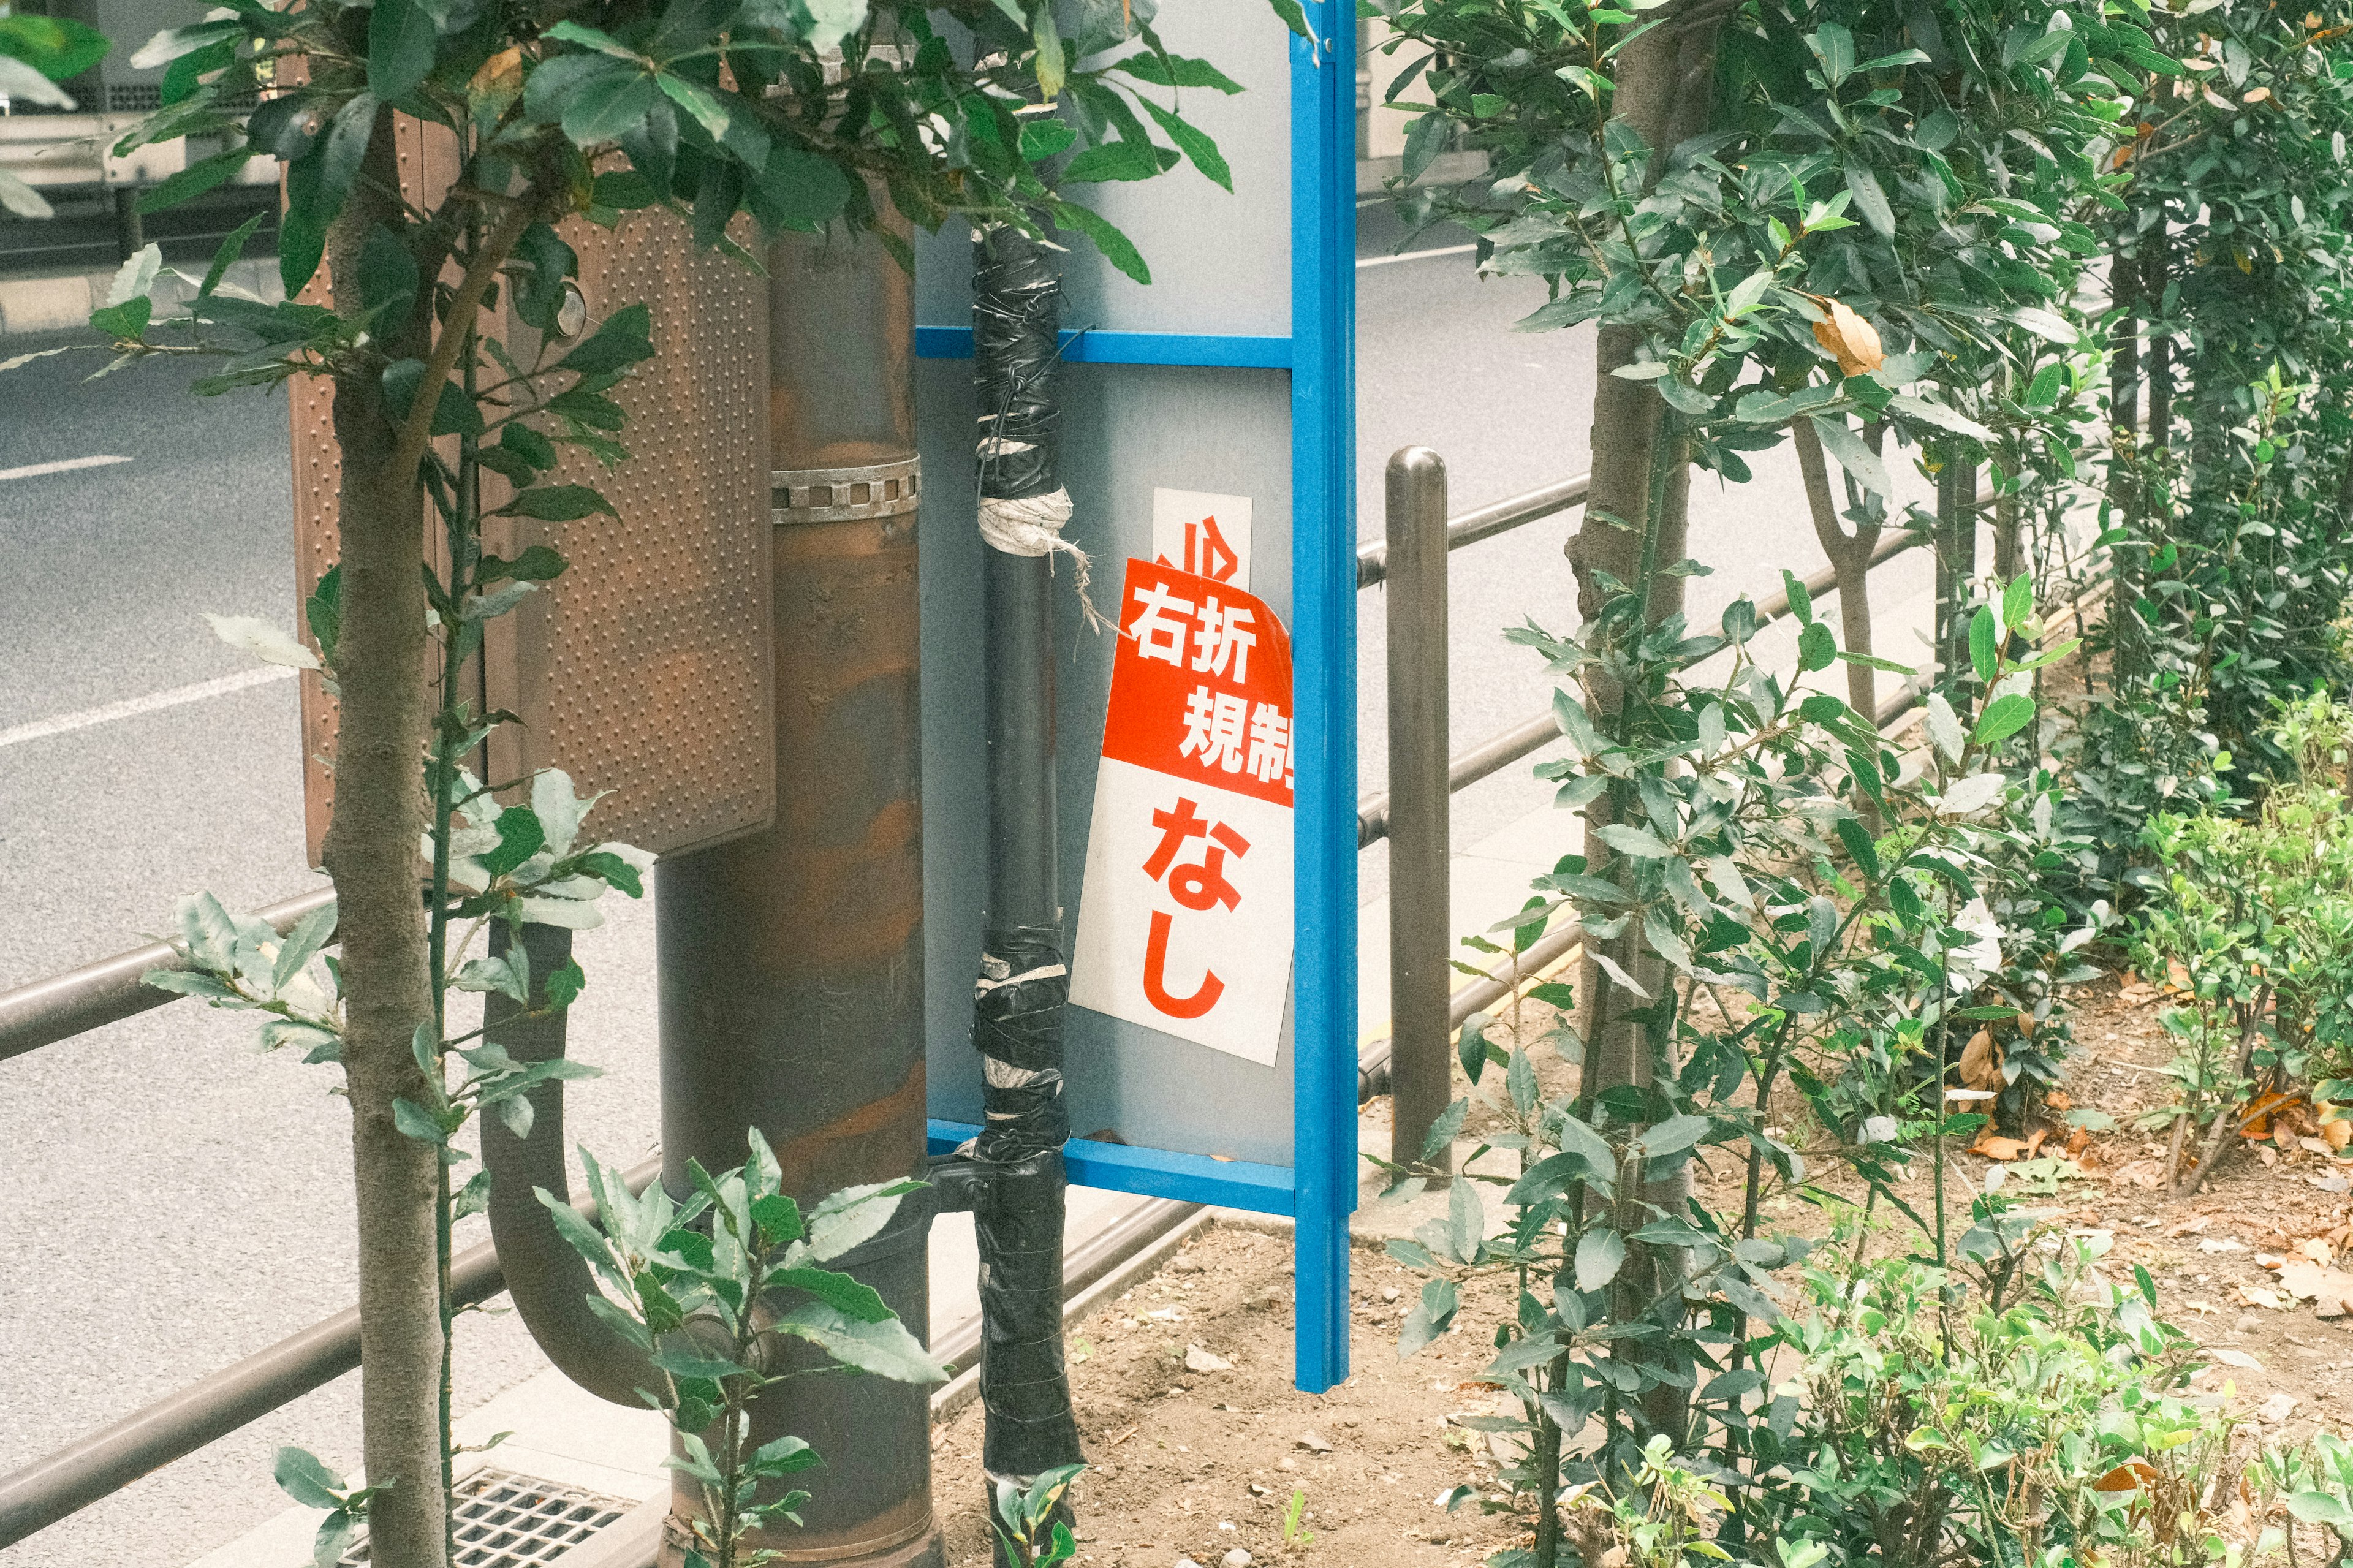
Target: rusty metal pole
{"x": 1422, "y": 1080}
{"x": 791, "y": 963}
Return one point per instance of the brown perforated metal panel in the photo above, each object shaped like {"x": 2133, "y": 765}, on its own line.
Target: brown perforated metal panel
{"x": 645, "y": 669}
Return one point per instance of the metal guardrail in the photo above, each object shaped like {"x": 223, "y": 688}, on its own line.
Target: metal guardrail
{"x": 1413, "y": 815}
{"x": 63, "y": 1006}
{"x": 77, "y": 1475}
{"x": 110, "y": 990}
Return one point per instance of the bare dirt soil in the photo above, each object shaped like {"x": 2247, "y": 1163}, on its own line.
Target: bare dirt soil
{"x": 1201, "y": 1463}
{"x": 1194, "y": 1458}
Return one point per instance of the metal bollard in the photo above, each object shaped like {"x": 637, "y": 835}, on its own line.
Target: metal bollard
{"x": 1420, "y": 904}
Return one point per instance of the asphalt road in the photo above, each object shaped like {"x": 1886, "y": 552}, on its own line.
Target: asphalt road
{"x": 182, "y": 1200}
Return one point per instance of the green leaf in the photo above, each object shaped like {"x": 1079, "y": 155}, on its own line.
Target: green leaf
{"x": 1116, "y": 247}
{"x": 333, "y": 1539}
{"x": 301, "y": 1475}
{"x": 57, "y": 47}
{"x": 1470, "y": 1046}
{"x": 1430, "y": 1316}
{"x": 2018, "y": 602}
{"x": 607, "y": 106}
{"x": 1985, "y": 644}
{"x": 1870, "y": 200}
{"x": 785, "y": 1457}
{"x": 1176, "y": 70}
{"x": 529, "y": 445}
{"x": 125, "y": 321}
{"x": 2003, "y": 718}
{"x": 1939, "y": 415}
{"x": 737, "y": 132}
{"x": 302, "y": 943}
{"x": 689, "y": 1363}
{"x": 1673, "y": 1135}
{"x": 1122, "y": 160}
{"x": 798, "y": 189}
{"x": 559, "y": 503}
{"x": 854, "y": 1298}
{"x": 884, "y": 1348}
{"x": 563, "y": 986}
{"x": 1858, "y": 459}
{"x": 624, "y": 338}
{"x": 1466, "y": 1221}
{"x": 1196, "y": 143}
{"x": 1443, "y": 1129}
{"x": 843, "y": 1220}
{"x": 401, "y": 39}
{"x": 520, "y": 837}
{"x": 1857, "y": 839}
{"x": 195, "y": 179}
{"x": 779, "y": 1217}
{"x": 415, "y": 1121}
{"x": 1802, "y": 602}
{"x": 1638, "y": 842}
{"x": 1424, "y": 140}
{"x": 2319, "y": 1508}
{"x": 1600, "y": 1253}
{"x": 1817, "y": 648}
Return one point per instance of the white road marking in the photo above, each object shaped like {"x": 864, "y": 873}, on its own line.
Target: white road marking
{"x": 1365, "y": 261}
{"x": 130, "y": 708}
{"x": 63, "y": 466}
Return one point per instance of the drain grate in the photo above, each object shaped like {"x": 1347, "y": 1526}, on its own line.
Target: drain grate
{"x": 507, "y": 1520}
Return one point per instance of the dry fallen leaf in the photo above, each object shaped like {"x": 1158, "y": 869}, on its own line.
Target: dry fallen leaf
{"x": 2140, "y": 1173}
{"x": 2189, "y": 1227}
{"x": 2256, "y": 95}
{"x": 1847, "y": 338}
{"x": 2058, "y": 1099}
{"x": 1981, "y": 1061}
{"x": 2315, "y": 1282}
{"x": 2255, "y": 1296}
{"x": 2318, "y": 1249}
{"x": 2130, "y": 1476}
{"x": 2336, "y": 1132}
{"x": 1994, "y": 1148}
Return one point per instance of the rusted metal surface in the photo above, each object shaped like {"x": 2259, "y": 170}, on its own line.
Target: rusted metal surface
{"x": 791, "y": 961}
{"x": 644, "y": 669}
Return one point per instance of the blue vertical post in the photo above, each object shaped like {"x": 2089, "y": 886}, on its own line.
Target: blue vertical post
{"x": 1324, "y": 677}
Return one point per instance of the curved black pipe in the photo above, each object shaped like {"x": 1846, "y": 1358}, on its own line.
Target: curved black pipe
{"x": 550, "y": 1282}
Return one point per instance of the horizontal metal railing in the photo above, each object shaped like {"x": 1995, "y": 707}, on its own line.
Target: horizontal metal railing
{"x": 112, "y": 989}
{"x": 61, "y": 1007}
{"x": 211, "y": 1408}
{"x": 1501, "y": 516}
{"x": 1503, "y": 749}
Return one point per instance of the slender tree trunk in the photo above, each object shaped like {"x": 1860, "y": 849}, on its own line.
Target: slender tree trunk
{"x": 370, "y": 852}
{"x": 2126, "y": 481}
{"x": 1957, "y": 562}
{"x": 1664, "y": 84}
{"x": 1849, "y": 559}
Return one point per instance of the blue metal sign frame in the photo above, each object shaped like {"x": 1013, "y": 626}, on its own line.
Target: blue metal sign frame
{"x": 1318, "y": 1190}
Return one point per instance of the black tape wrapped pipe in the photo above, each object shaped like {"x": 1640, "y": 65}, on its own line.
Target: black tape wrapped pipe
{"x": 1018, "y": 1215}
{"x": 1016, "y": 325}
{"x": 1012, "y": 1173}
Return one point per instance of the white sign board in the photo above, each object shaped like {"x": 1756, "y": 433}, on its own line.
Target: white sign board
{"x": 1208, "y": 535}
{"x": 1184, "y": 921}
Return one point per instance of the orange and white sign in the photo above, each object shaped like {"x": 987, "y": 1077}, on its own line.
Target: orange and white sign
{"x": 1185, "y": 925}
{"x": 1209, "y": 535}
